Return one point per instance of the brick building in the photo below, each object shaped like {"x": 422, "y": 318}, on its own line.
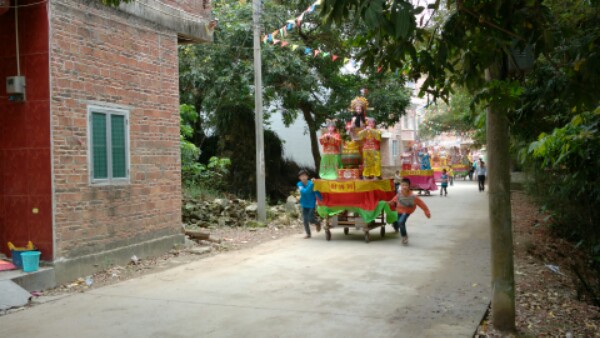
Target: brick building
{"x": 89, "y": 161}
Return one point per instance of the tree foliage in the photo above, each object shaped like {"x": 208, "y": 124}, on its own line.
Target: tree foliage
{"x": 211, "y": 175}
{"x": 459, "y": 114}
{"x": 566, "y": 163}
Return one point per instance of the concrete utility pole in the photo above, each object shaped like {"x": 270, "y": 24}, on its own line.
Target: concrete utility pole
{"x": 503, "y": 278}
{"x": 258, "y": 111}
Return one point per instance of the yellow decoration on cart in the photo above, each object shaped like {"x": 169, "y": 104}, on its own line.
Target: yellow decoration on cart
{"x": 351, "y": 186}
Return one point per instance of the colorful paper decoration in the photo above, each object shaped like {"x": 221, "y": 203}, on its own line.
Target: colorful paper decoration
{"x": 289, "y": 26}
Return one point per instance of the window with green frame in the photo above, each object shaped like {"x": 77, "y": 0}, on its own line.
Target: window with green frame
{"x": 109, "y": 145}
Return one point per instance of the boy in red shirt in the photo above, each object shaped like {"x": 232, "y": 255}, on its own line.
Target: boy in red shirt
{"x": 406, "y": 203}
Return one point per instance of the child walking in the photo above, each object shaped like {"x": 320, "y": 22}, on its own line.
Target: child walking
{"x": 444, "y": 178}
{"x": 406, "y": 203}
{"x": 308, "y": 201}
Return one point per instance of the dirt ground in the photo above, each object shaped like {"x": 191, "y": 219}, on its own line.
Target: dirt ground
{"x": 551, "y": 300}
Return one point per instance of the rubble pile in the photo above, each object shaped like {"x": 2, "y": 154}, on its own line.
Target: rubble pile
{"x": 235, "y": 213}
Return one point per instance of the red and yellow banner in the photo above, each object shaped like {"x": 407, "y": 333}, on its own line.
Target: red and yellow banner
{"x": 404, "y": 173}
{"x": 363, "y": 194}
{"x": 351, "y": 186}
{"x": 458, "y": 168}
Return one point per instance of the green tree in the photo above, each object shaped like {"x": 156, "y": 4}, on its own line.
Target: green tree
{"x": 189, "y": 151}
{"x": 211, "y": 175}
{"x": 557, "y": 110}
{"x": 567, "y": 161}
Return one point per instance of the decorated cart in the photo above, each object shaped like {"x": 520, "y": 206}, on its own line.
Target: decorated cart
{"x": 460, "y": 171}
{"x": 358, "y": 204}
{"x": 421, "y": 180}
{"x": 353, "y": 193}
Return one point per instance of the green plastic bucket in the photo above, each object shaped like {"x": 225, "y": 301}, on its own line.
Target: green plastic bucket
{"x": 31, "y": 260}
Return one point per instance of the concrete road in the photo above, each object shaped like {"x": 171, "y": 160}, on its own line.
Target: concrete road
{"x": 437, "y": 286}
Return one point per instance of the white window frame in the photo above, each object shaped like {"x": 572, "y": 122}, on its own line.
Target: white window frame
{"x": 110, "y": 180}
{"x": 395, "y": 148}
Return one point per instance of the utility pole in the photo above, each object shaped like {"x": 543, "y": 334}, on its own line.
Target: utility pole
{"x": 258, "y": 112}
{"x": 503, "y": 277}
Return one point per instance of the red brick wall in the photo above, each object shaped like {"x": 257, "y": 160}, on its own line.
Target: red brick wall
{"x": 25, "y": 177}
{"x": 99, "y": 54}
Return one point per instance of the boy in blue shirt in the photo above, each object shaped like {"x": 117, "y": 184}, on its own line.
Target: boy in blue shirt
{"x": 444, "y": 179}
{"x": 308, "y": 201}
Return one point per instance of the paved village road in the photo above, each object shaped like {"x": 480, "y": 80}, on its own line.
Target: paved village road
{"x": 437, "y": 286}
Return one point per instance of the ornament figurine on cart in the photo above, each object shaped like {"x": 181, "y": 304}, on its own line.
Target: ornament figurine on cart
{"x": 425, "y": 159}
{"x": 371, "y": 140}
{"x": 443, "y": 157}
{"x": 359, "y": 108}
{"x": 331, "y": 157}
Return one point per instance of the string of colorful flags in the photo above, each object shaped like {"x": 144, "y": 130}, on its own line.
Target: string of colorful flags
{"x": 297, "y": 22}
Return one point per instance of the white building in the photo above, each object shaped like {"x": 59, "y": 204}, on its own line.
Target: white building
{"x": 401, "y": 136}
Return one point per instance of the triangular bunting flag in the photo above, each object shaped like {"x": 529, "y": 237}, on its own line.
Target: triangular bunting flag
{"x": 346, "y": 60}
{"x": 307, "y": 50}
{"x": 275, "y": 33}
{"x": 270, "y": 38}
{"x": 379, "y": 69}
{"x": 294, "y": 47}
{"x": 275, "y": 41}
{"x": 299, "y": 19}
{"x": 325, "y": 54}
{"x": 284, "y": 43}
{"x": 282, "y": 32}
{"x": 334, "y": 57}
{"x": 317, "y": 52}
{"x": 290, "y": 26}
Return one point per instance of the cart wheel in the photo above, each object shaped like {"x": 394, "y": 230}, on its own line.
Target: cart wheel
{"x": 367, "y": 237}
{"x": 428, "y": 193}
{"x": 328, "y": 235}
{"x": 346, "y": 231}
{"x": 383, "y": 231}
